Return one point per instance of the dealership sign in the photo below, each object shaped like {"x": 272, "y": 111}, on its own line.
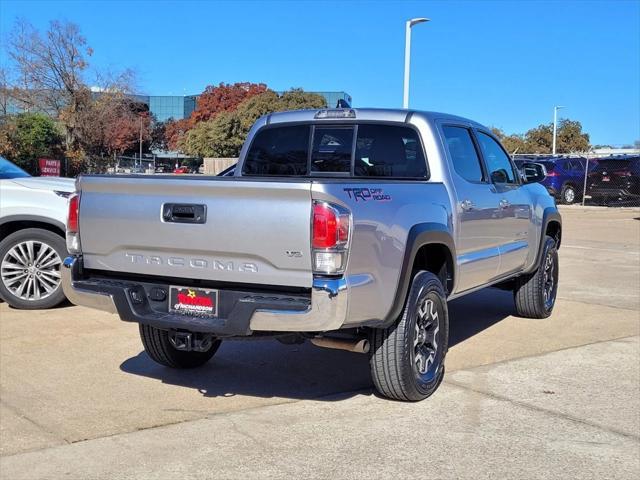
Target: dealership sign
{"x": 49, "y": 168}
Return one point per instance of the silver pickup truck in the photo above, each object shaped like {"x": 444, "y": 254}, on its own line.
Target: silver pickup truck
{"x": 349, "y": 227}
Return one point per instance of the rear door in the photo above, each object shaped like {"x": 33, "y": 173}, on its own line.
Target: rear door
{"x": 477, "y": 239}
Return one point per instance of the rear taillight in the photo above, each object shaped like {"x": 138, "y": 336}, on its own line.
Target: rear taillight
{"x": 72, "y": 217}
{"x": 331, "y": 225}
{"x": 551, "y": 173}
{"x": 73, "y": 230}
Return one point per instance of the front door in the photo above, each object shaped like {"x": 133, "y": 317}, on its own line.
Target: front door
{"x": 513, "y": 201}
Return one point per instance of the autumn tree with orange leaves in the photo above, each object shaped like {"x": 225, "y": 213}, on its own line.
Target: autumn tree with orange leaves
{"x": 224, "y": 98}
{"x": 214, "y": 100}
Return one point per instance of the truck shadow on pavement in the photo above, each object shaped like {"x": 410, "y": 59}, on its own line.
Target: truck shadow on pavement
{"x": 267, "y": 368}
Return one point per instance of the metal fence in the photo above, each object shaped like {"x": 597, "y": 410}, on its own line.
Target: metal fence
{"x": 612, "y": 181}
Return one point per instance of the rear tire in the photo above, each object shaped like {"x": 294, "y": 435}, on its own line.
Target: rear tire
{"x": 158, "y": 346}
{"x": 407, "y": 359}
{"x": 569, "y": 195}
{"x": 535, "y": 294}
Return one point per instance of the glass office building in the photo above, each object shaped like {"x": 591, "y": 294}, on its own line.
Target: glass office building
{"x": 178, "y": 107}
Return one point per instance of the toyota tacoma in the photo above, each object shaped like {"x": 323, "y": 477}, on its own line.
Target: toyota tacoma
{"x": 351, "y": 228}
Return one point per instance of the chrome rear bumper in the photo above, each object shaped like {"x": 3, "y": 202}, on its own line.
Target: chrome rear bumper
{"x": 78, "y": 296}
{"x": 326, "y": 311}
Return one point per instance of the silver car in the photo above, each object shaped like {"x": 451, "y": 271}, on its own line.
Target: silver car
{"x": 33, "y": 213}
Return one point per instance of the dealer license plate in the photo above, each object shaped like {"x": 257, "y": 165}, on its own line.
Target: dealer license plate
{"x": 198, "y": 302}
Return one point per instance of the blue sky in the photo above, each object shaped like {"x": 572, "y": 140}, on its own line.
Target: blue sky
{"x": 503, "y": 63}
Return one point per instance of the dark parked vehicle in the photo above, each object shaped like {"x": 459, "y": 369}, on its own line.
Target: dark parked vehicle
{"x": 614, "y": 179}
{"x": 565, "y": 177}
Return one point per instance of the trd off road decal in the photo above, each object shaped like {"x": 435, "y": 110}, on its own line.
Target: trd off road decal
{"x": 367, "y": 194}
{"x": 194, "y": 301}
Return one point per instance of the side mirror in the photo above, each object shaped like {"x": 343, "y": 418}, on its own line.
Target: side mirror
{"x": 533, "y": 172}
{"x": 499, "y": 176}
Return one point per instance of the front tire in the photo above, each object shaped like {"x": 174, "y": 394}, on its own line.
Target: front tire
{"x": 158, "y": 346}
{"x": 30, "y": 261}
{"x": 407, "y": 359}
{"x": 535, "y": 294}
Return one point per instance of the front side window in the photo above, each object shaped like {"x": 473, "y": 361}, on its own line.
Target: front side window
{"x": 498, "y": 162}
{"x": 279, "y": 151}
{"x": 463, "y": 153}
{"x": 389, "y": 151}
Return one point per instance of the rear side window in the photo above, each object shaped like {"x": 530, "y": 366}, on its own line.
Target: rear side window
{"x": 463, "y": 153}
{"x": 389, "y": 151}
{"x": 279, "y": 151}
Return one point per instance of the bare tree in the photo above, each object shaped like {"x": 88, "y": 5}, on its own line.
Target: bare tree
{"x": 5, "y": 93}
{"x": 50, "y": 71}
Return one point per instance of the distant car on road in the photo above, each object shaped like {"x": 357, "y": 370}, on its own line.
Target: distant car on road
{"x": 182, "y": 169}
{"x": 565, "y": 177}
{"x": 33, "y": 212}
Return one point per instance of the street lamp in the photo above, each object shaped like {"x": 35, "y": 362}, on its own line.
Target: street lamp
{"x": 407, "y": 56}
{"x": 555, "y": 126}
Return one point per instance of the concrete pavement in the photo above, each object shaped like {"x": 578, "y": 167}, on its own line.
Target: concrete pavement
{"x": 79, "y": 399}
{"x": 499, "y": 421}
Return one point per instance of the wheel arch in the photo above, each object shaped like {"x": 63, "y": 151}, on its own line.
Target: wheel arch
{"x": 14, "y": 223}
{"x": 430, "y": 247}
{"x": 551, "y": 225}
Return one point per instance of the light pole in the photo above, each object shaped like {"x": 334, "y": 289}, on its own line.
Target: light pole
{"x": 407, "y": 56}
{"x": 140, "y": 141}
{"x": 555, "y": 126}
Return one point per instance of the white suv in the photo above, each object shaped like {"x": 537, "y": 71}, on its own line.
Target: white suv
{"x": 33, "y": 213}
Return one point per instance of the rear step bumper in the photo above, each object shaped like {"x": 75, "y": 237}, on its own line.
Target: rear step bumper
{"x": 324, "y": 310}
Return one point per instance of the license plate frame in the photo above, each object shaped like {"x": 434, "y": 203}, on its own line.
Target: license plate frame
{"x": 194, "y": 301}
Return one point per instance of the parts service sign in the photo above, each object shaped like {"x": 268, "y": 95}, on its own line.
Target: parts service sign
{"x": 49, "y": 167}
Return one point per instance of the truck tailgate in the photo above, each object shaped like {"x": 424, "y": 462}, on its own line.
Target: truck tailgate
{"x": 254, "y": 232}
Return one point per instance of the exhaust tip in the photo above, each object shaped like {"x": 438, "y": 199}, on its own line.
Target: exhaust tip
{"x": 357, "y": 346}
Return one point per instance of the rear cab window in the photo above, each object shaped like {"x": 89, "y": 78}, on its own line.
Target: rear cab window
{"x": 355, "y": 150}
{"x": 279, "y": 152}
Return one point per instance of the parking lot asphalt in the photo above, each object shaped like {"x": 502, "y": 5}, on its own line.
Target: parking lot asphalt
{"x": 551, "y": 398}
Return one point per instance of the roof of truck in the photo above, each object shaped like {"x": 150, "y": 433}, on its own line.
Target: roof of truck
{"x": 359, "y": 114}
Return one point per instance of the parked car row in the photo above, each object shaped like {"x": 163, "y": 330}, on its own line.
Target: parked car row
{"x": 607, "y": 179}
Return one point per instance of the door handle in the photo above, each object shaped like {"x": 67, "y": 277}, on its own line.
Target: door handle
{"x": 504, "y": 203}
{"x": 466, "y": 205}
{"x": 184, "y": 213}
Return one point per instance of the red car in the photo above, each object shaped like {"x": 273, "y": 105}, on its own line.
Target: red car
{"x": 183, "y": 169}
